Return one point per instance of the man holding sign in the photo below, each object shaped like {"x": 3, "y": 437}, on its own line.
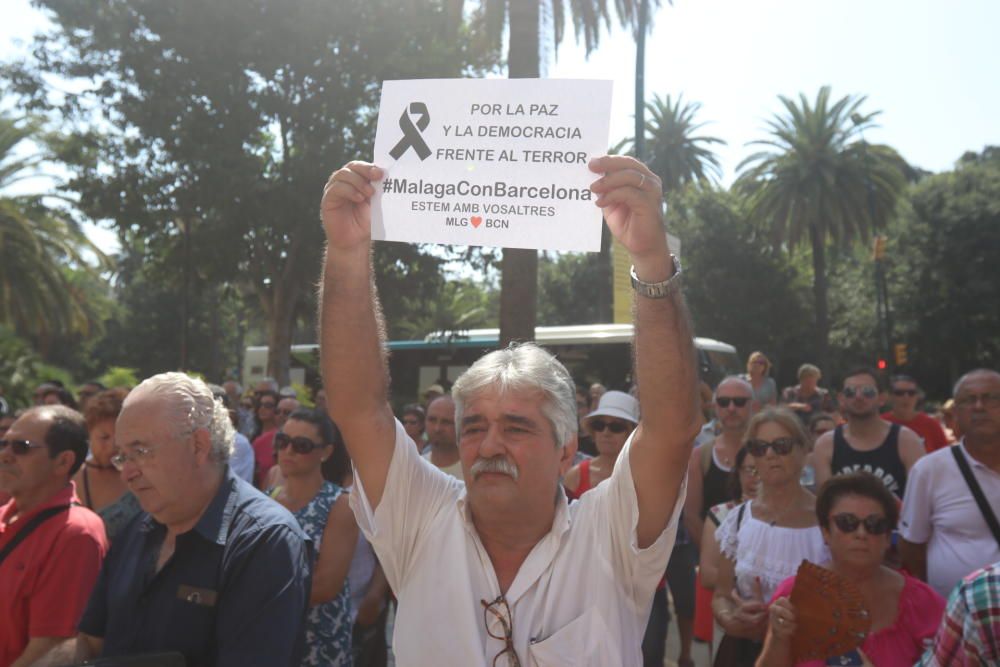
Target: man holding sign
{"x": 501, "y": 570}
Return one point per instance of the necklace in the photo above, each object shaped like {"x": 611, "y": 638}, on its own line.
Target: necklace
{"x": 782, "y": 514}
{"x": 99, "y": 466}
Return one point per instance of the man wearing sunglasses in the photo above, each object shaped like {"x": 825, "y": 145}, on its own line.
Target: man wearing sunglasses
{"x": 501, "y": 570}
{"x": 866, "y": 443}
{"x": 906, "y": 394}
{"x": 51, "y": 548}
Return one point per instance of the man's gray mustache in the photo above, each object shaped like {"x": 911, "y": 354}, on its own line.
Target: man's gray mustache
{"x": 497, "y": 464}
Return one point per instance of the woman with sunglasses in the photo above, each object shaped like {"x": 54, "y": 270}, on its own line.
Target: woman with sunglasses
{"x": 763, "y": 541}
{"x": 857, "y": 514}
{"x": 765, "y": 391}
{"x": 305, "y": 445}
{"x": 615, "y": 418}
{"x": 265, "y": 415}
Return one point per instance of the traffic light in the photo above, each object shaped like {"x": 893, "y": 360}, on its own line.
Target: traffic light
{"x": 899, "y": 350}
{"x": 878, "y": 248}
{"x": 882, "y": 364}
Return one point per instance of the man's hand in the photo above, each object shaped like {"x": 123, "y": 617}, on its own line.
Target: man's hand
{"x": 346, "y": 207}
{"x": 631, "y": 197}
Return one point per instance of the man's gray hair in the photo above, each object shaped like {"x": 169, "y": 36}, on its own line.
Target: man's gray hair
{"x": 193, "y": 406}
{"x": 272, "y": 384}
{"x": 523, "y": 367}
{"x": 966, "y": 376}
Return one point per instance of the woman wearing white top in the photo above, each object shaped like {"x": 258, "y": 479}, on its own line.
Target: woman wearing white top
{"x": 764, "y": 540}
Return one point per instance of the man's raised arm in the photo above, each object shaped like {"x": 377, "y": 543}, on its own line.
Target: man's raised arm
{"x": 630, "y": 196}
{"x": 352, "y": 345}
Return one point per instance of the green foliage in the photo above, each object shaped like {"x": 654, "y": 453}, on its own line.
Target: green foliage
{"x": 119, "y": 376}
{"x": 459, "y": 305}
{"x": 674, "y": 152}
{"x": 41, "y": 253}
{"x": 816, "y": 181}
{"x": 22, "y": 370}
{"x": 739, "y": 289}
{"x": 303, "y": 395}
{"x": 574, "y": 288}
{"x": 945, "y": 247}
{"x": 221, "y": 122}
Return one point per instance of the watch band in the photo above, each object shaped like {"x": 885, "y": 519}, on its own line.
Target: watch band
{"x": 659, "y": 290}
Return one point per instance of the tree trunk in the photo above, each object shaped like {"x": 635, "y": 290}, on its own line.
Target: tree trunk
{"x": 519, "y": 268}
{"x": 279, "y": 336}
{"x": 817, "y": 238}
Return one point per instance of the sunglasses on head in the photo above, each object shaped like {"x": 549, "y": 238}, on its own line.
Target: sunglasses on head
{"x": 19, "y": 447}
{"x": 866, "y": 392}
{"x": 738, "y": 401}
{"x": 300, "y": 444}
{"x": 904, "y": 392}
{"x": 873, "y": 523}
{"x": 598, "y": 426}
{"x": 781, "y": 446}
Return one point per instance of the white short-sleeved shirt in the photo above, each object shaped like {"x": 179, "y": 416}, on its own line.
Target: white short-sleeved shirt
{"x": 939, "y": 511}
{"x": 770, "y": 553}
{"x": 580, "y": 598}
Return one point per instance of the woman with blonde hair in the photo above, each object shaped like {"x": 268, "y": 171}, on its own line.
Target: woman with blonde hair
{"x": 765, "y": 391}
{"x": 764, "y": 540}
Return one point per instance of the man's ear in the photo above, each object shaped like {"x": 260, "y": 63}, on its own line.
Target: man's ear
{"x": 64, "y": 461}
{"x": 202, "y": 445}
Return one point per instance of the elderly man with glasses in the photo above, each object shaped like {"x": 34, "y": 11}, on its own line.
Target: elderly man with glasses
{"x": 501, "y": 570}
{"x": 212, "y": 569}
{"x": 949, "y": 523}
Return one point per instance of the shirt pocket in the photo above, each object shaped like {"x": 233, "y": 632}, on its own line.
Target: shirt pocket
{"x": 583, "y": 641}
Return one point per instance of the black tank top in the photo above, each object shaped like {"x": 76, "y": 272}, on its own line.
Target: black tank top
{"x": 715, "y": 487}
{"x": 883, "y": 461}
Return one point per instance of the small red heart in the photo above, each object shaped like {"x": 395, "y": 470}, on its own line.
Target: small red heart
{"x": 476, "y": 220}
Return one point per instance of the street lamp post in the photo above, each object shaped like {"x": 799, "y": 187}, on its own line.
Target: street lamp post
{"x": 882, "y": 312}
{"x": 640, "y": 80}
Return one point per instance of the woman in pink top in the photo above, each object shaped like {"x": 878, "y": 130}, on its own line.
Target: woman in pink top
{"x": 857, "y": 514}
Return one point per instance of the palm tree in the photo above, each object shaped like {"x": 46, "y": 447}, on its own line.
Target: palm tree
{"x": 818, "y": 180}
{"x": 519, "y": 268}
{"x": 37, "y": 243}
{"x": 674, "y": 153}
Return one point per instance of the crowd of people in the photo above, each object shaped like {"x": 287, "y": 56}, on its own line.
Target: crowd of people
{"x": 179, "y": 522}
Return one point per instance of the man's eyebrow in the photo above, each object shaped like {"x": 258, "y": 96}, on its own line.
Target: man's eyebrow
{"x": 519, "y": 419}
{"x": 474, "y": 419}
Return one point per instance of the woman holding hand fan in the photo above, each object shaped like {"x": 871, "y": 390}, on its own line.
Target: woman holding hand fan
{"x": 857, "y": 515}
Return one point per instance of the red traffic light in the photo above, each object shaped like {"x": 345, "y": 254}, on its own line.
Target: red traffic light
{"x": 882, "y": 364}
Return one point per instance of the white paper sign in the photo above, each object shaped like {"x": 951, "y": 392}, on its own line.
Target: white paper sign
{"x": 491, "y": 162}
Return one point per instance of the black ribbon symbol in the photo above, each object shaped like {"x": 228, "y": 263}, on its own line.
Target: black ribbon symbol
{"x": 411, "y": 132}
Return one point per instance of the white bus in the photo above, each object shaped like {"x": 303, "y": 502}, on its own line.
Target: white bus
{"x": 591, "y": 352}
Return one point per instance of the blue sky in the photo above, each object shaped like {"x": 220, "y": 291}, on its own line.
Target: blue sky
{"x": 932, "y": 68}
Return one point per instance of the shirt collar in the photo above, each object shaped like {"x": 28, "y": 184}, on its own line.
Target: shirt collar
{"x": 64, "y": 496}
{"x": 560, "y": 522}
{"x": 214, "y": 522}
{"x": 973, "y": 461}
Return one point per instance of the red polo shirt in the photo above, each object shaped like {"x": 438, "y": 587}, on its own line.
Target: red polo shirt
{"x": 46, "y": 580}
{"x": 925, "y": 426}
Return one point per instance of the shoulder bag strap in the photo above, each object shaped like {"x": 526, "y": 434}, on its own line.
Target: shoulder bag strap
{"x": 977, "y": 492}
{"x": 29, "y": 527}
